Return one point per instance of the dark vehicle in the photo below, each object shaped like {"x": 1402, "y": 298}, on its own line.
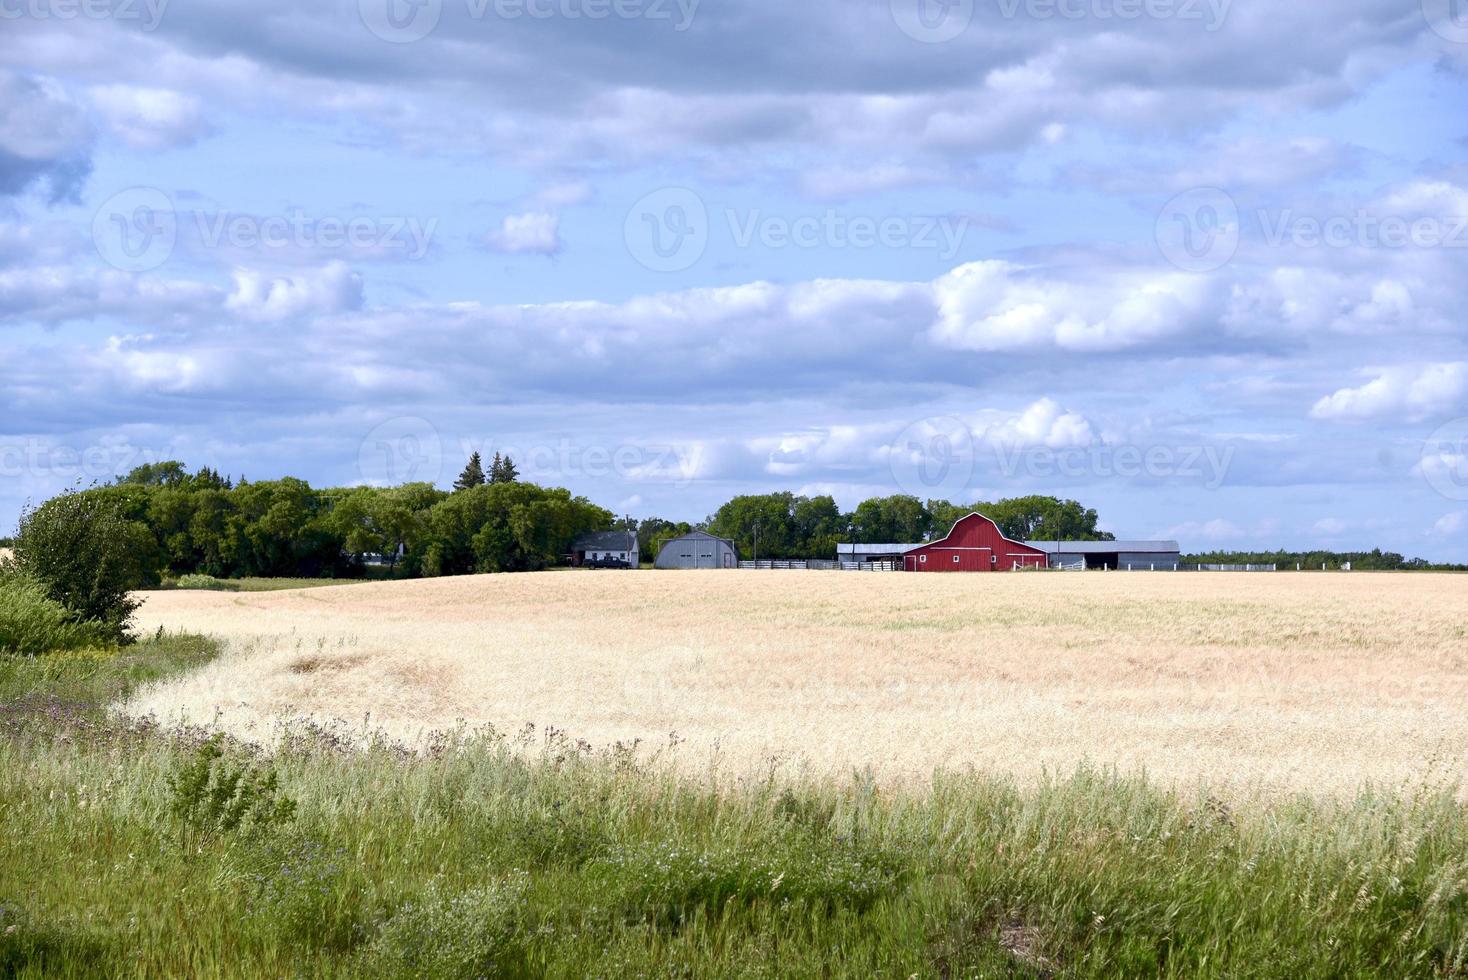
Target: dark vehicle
{"x": 606, "y": 563}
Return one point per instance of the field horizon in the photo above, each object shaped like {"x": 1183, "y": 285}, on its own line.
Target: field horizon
{"x": 1258, "y": 683}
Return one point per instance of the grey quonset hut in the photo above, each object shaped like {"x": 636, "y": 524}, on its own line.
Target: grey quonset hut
{"x": 698, "y": 549}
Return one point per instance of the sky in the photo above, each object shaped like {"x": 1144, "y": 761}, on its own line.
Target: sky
{"x": 1199, "y": 264}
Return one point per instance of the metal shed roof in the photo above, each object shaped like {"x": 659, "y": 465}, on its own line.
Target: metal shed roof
{"x": 1105, "y": 547}
{"x": 874, "y": 549}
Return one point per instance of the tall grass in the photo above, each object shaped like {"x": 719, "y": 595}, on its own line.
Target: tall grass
{"x": 32, "y": 623}
{"x": 529, "y": 856}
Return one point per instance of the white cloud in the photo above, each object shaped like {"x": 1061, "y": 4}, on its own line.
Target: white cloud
{"x": 1452, "y": 523}
{"x": 1405, "y": 393}
{"x": 150, "y": 118}
{"x": 334, "y": 288}
{"x": 998, "y": 306}
{"x": 535, "y": 232}
{"x": 1329, "y": 526}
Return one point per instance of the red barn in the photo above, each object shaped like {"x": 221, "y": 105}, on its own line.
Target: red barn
{"x": 974, "y": 545}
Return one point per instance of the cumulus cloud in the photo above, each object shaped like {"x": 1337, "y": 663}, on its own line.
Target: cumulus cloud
{"x": 1452, "y": 523}
{"x": 45, "y": 138}
{"x": 536, "y": 232}
{"x": 1404, "y": 393}
{"x": 997, "y": 306}
{"x": 150, "y": 118}
{"x": 334, "y": 288}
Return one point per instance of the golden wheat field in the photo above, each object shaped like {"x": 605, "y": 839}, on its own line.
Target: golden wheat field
{"x": 1315, "y": 682}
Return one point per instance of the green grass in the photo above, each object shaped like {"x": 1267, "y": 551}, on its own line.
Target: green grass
{"x": 528, "y": 857}
{"x": 209, "y": 583}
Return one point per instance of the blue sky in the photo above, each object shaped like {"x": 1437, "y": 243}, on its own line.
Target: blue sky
{"x": 1202, "y": 265}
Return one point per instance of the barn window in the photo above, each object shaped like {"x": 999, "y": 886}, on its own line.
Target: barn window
{"x": 955, "y": 559}
{"x": 923, "y": 559}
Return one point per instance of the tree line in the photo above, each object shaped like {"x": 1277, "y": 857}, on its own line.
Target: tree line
{"x": 205, "y": 523}
{"x": 1374, "y": 560}
{"x": 788, "y": 525}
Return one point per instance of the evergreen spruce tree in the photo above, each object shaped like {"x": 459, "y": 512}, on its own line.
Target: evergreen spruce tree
{"x": 473, "y": 474}
{"x": 502, "y": 469}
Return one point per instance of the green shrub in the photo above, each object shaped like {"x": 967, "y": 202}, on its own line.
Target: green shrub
{"x": 33, "y": 623}
{"x": 87, "y": 555}
{"x": 476, "y": 933}
{"x": 216, "y": 792}
{"x": 202, "y": 582}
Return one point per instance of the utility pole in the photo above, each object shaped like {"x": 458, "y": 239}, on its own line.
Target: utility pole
{"x": 756, "y": 541}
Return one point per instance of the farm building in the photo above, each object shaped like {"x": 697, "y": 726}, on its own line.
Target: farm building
{"x": 602, "y": 549}
{"x": 698, "y": 549}
{"x": 1110, "y": 554}
{"x": 874, "y": 552}
{"x": 974, "y": 545}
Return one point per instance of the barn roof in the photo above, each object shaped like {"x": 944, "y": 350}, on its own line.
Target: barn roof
{"x": 1105, "y": 547}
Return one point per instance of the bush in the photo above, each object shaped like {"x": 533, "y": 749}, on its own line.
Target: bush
{"x": 202, "y": 582}
{"x": 214, "y": 792}
{"x": 87, "y": 556}
{"x": 477, "y": 933}
{"x": 33, "y": 623}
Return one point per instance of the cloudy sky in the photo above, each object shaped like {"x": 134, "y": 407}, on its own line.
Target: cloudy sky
{"x": 1201, "y": 264}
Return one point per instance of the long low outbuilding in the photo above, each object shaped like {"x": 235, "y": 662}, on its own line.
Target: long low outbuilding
{"x": 1111, "y": 554}
{"x": 1000, "y": 553}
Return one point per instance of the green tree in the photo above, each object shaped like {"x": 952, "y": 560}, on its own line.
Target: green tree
{"x": 502, "y": 470}
{"x": 88, "y": 556}
{"x": 473, "y": 475}
{"x": 898, "y": 519}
